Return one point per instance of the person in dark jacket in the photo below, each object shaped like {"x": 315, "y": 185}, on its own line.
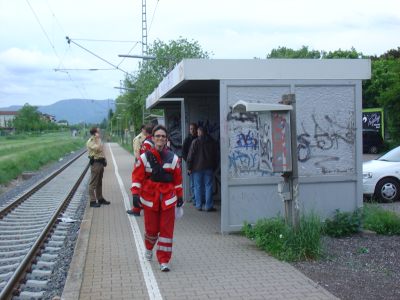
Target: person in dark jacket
{"x": 185, "y": 151}
{"x": 202, "y": 162}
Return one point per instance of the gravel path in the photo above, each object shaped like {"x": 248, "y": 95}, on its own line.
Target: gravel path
{"x": 364, "y": 266}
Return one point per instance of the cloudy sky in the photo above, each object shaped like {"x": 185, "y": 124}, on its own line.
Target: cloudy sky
{"x": 39, "y": 67}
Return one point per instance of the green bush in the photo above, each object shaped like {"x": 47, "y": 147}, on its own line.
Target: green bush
{"x": 343, "y": 223}
{"x": 381, "y": 221}
{"x": 283, "y": 241}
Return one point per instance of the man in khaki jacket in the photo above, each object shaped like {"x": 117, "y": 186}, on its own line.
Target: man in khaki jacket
{"x": 137, "y": 142}
{"x": 98, "y": 162}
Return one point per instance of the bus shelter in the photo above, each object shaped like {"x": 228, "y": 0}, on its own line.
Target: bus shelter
{"x": 328, "y": 120}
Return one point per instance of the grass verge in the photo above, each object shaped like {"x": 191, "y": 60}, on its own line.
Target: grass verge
{"x": 32, "y": 160}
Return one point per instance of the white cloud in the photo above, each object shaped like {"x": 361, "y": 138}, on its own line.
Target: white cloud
{"x": 33, "y": 43}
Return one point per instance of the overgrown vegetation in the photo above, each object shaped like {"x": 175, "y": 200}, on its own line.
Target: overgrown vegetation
{"x": 285, "y": 243}
{"x": 381, "y": 221}
{"x": 343, "y": 223}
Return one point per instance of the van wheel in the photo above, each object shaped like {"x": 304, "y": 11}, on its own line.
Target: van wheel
{"x": 387, "y": 190}
{"x": 373, "y": 150}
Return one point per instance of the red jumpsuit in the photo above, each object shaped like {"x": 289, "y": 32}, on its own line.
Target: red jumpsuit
{"x": 146, "y": 145}
{"x": 158, "y": 199}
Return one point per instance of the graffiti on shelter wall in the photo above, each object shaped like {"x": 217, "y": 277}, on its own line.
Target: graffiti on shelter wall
{"x": 244, "y": 148}
{"x": 255, "y": 148}
{"x": 325, "y": 142}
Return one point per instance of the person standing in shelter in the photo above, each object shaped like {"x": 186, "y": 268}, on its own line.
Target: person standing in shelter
{"x": 147, "y": 144}
{"x": 157, "y": 184}
{"x": 202, "y": 162}
{"x": 185, "y": 151}
{"x": 98, "y": 162}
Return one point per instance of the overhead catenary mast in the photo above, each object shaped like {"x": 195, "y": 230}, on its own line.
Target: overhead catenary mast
{"x": 145, "y": 113}
{"x": 144, "y": 28}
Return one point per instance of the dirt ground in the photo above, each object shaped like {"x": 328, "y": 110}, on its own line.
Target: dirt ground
{"x": 363, "y": 266}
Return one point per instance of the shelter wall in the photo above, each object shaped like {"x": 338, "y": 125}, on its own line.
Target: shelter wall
{"x": 329, "y": 149}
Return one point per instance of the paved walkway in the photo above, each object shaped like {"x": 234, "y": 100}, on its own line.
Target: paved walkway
{"x": 109, "y": 264}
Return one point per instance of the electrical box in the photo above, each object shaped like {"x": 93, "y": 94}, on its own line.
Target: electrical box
{"x": 274, "y": 134}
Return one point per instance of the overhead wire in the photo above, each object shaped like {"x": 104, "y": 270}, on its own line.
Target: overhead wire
{"x": 69, "y": 40}
{"x": 152, "y": 18}
{"x": 52, "y": 45}
{"x": 65, "y": 70}
{"x": 108, "y": 41}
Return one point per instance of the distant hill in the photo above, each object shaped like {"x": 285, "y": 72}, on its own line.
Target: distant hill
{"x": 75, "y": 110}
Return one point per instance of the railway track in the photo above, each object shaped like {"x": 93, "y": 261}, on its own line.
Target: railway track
{"x": 33, "y": 229}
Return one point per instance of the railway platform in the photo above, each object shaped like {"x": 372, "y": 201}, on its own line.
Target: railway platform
{"x": 109, "y": 256}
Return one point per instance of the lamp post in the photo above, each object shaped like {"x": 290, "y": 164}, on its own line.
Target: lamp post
{"x": 118, "y": 128}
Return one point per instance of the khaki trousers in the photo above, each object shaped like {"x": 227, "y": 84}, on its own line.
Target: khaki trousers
{"x": 96, "y": 181}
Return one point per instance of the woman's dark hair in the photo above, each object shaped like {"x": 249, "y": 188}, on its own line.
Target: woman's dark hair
{"x": 202, "y": 129}
{"x": 159, "y": 127}
{"x": 148, "y": 128}
{"x": 93, "y": 131}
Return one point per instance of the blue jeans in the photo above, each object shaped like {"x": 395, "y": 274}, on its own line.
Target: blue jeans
{"x": 203, "y": 186}
{"x": 191, "y": 183}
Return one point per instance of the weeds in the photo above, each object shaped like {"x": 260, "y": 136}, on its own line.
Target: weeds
{"x": 285, "y": 243}
{"x": 343, "y": 223}
{"x": 381, "y": 221}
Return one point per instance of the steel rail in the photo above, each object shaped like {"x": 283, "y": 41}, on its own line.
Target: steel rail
{"x": 11, "y": 288}
{"x": 4, "y": 211}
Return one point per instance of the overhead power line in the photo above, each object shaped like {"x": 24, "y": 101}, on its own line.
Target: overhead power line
{"x": 81, "y": 90}
{"x": 69, "y": 41}
{"x": 107, "y": 41}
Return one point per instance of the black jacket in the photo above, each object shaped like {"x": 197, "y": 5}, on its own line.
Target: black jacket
{"x": 186, "y": 145}
{"x": 203, "y": 154}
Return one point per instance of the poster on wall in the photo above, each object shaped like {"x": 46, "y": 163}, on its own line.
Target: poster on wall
{"x": 373, "y": 118}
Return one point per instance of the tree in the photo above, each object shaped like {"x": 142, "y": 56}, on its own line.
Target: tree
{"x": 382, "y": 90}
{"x": 150, "y": 74}
{"x": 303, "y": 52}
{"x": 28, "y": 119}
{"x": 349, "y": 54}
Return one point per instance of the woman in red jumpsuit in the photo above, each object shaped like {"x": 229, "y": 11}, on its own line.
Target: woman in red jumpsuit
{"x": 157, "y": 184}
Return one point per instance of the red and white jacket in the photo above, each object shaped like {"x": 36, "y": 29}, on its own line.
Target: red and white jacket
{"x": 156, "y": 195}
{"x": 146, "y": 145}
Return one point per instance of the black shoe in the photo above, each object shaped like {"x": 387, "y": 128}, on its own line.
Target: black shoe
{"x": 199, "y": 209}
{"x": 104, "y": 201}
{"x": 94, "y": 204}
{"x": 211, "y": 209}
{"x": 131, "y": 212}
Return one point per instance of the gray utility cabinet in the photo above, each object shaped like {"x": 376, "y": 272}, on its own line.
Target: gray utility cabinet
{"x": 329, "y": 129}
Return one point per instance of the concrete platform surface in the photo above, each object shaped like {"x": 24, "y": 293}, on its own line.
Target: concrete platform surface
{"x": 108, "y": 262}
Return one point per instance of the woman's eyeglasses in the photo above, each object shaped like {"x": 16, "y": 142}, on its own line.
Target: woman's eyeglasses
{"x": 160, "y": 136}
